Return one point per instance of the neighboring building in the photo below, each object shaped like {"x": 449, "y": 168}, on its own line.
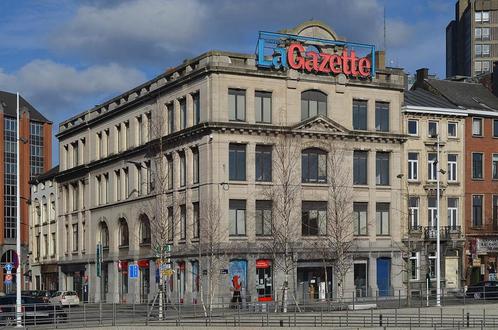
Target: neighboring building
{"x": 472, "y": 38}
{"x": 481, "y": 173}
{"x": 426, "y": 115}
{"x": 35, "y": 158}
{"x": 223, "y": 116}
{"x": 43, "y": 232}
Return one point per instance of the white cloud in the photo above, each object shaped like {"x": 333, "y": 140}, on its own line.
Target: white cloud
{"x": 52, "y": 87}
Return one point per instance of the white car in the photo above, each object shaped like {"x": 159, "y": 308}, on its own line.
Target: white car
{"x": 65, "y": 298}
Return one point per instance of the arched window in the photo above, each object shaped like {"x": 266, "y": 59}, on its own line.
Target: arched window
{"x": 313, "y": 103}
{"x": 144, "y": 229}
{"x": 124, "y": 237}
{"x": 104, "y": 235}
{"x": 314, "y": 166}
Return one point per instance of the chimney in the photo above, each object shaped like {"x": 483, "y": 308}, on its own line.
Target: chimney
{"x": 380, "y": 59}
{"x": 422, "y": 74}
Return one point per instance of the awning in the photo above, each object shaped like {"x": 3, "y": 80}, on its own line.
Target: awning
{"x": 52, "y": 268}
{"x": 73, "y": 268}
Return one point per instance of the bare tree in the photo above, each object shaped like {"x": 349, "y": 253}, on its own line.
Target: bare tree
{"x": 284, "y": 194}
{"x": 210, "y": 247}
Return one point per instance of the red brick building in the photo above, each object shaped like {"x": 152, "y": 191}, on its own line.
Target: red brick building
{"x": 35, "y": 158}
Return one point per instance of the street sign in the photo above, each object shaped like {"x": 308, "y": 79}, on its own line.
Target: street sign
{"x": 132, "y": 271}
{"x": 8, "y": 279}
{"x": 8, "y": 267}
{"x": 164, "y": 266}
{"x": 168, "y": 272}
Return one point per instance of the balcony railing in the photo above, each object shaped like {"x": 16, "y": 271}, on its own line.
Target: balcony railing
{"x": 445, "y": 232}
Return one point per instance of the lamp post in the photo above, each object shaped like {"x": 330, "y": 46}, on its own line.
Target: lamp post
{"x": 18, "y": 223}
{"x": 438, "y": 239}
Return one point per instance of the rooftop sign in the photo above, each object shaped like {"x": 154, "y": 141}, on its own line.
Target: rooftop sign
{"x": 286, "y": 51}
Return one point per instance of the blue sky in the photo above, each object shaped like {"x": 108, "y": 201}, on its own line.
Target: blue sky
{"x": 66, "y": 56}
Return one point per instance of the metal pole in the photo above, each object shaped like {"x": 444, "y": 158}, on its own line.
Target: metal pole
{"x": 18, "y": 223}
{"x": 438, "y": 240}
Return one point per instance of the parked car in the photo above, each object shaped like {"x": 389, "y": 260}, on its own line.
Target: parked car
{"x": 46, "y": 294}
{"x": 65, "y": 298}
{"x": 34, "y": 310}
{"x": 30, "y": 293}
{"x": 483, "y": 290}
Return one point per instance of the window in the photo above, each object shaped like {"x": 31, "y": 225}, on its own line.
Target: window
{"x": 432, "y": 211}
{"x": 432, "y": 265}
{"x": 75, "y": 237}
{"x": 183, "y": 113}
{"x": 452, "y": 167}
{"x": 171, "y": 117}
{"x": 117, "y": 177}
{"x": 75, "y": 153}
{"x": 360, "y": 114}
{"x": 452, "y": 212}
{"x": 124, "y": 236}
{"x": 183, "y": 169}
{"x": 183, "y": 222}
{"x": 45, "y": 245}
{"x": 478, "y": 33}
{"x": 360, "y": 159}
{"x": 432, "y": 166}
{"x": 75, "y": 201}
{"x": 495, "y": 128}
{"x": 104, "y": 235}
{"x": 485, "y": 52}
{"x": 477, "y": 126}
{"x": 382, "y": 168}
{"x": 118, "y": 140}
{"x": 478, "y": 50}
{"x": 237, "y": 217}
{"x": 237, "y": 162}
{"x": 478, "y": 16}
{"x": 413, "y": 166}
{"x": 262, "y": 104}
{"x": 414, "y": 266}
{"x": 485, "y": 16}
{"x": 144, "y": 229}
{"x": 195, "y": 165}
{"x": 237, "y": 104}
{"x": 169, "y": 159}
{"x": 478, "y": 66}
{"x": 263, "y": 218}
{"x": 477, "y": 210}
{"x": 263, "y": 163}
{"x": 195, "y": 220}
{"x": 360, "y": 219}
{"x": 313, "y": 103}
{"x": 495, "y": 212}
{"x": 126, "y": 136}
{"x": 382, "y": 116}
{"x": 67, "y": 239}
{"x": 477, "y": 165}
{"x": 138, "y": 168}
{"x": 452, "y": 129}
{"x": 314, "y": 166}
{"x": 413, "y": 127}
{"x": 53, "y": 239}
{"x": 196, "y": 102}
{"x": 413, "y": 209}
{"x": 314, "y": 219}
{"x": 485, "y": 33}
{"x": 495, "y": 167}
{"x": 433, "y": 129}
{"x": 126, "y": 183}
{"x": 485, "y": 66}
{"x": 38, "y": 247}
{"x": 170, "y": 226}
{"x": 382, "y": 219}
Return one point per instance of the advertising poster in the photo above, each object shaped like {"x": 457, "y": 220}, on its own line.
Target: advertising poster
{"x": 237, "y": 271}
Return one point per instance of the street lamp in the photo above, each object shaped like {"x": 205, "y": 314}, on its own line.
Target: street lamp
{"x": 438, "y": 238}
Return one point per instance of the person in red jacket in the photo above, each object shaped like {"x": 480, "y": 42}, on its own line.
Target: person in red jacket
{"x": 236, "y": 289}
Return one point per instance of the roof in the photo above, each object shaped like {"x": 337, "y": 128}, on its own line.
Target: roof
{"x": 472, "y": 96}
{"x": 50, "y": 174}
{"x": 423, "y": 98}
{"x": 8, "y": 103}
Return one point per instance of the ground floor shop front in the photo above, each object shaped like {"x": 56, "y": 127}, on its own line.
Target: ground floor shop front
{"x": 237, "y": 278}
{"x": 482, "y": 260}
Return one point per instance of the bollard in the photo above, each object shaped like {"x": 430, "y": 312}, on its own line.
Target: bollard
{"x": 396, "y": 317}
{"x": 84, "y": 314}
{"x": 100, "y": 313}
{"x": 281, "y": 323}
{"x": 380, "y": 320}
{"x": 484, "y": 316}
{"x": 468, "y": 320}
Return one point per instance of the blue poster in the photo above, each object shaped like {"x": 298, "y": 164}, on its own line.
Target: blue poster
{"x": 237, "y": 270}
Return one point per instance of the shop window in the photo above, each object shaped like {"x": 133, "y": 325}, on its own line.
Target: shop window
{"x": 313, "y": 103}
{"x": 360, "y": 115}
{"x": 314, "y": 166}
{"x": 264, "y": 278}
{"x": 360, "y": 164}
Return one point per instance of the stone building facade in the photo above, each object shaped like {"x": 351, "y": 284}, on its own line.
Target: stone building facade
{"x": 199, "y": 144}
